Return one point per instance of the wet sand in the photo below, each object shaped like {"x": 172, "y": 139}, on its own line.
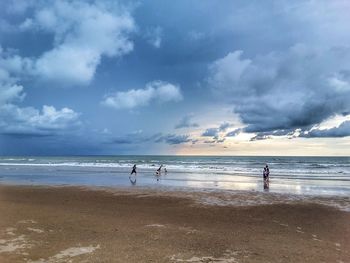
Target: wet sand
{"x": 71, "y": 224}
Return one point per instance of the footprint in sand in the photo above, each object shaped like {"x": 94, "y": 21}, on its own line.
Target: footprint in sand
{"x": 10, "y": 231}
{"x": 68, "y": 254}
{"x": 155, "y": 225}
{"x": 29, "y": 221}
{"x": 36, "y": 230}
{"x": 228, "y": 257}
{"x": 337, "y": 247}
{"x": 188, "y": 230}
{"x": 299, "y": 230}
{"x": 314, "y": 237}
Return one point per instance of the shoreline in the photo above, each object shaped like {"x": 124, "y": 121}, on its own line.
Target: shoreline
{"x": 58, "y": 224}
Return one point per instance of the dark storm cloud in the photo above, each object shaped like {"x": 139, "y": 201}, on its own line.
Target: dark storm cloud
{"x": 223, "y": 127}
{"x": 285, "y": 90}
{"x": 342, "y": 130}
{"x": 214, "y": 141}
{"x": 173, "y": 139}
{"x": 137, "y": 137}
{"x": 211, "y": 132}
{"x": 140, "y": 138}
{"x": 260, "y": 137}
{"x": 233, "y": 133}
{"x": 268, "y": 134}
{"x": 214, "y": 132}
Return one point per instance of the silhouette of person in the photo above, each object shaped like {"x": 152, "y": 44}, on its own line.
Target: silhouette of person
{"x": 266, "y": 174}
{"x": 132, "y": 181}
{"x": 159, "y": 169}
{"x": 133, "y": 170}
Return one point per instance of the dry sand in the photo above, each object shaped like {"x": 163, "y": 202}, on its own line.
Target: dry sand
{"x": 67, "y": 224}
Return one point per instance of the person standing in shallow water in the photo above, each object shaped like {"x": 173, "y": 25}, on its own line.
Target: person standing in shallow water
{"x": 266, "y": 174}
{"x": 133, "y": 170}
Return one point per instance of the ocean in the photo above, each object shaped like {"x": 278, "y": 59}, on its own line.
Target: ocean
{"x": 321, "y": 176}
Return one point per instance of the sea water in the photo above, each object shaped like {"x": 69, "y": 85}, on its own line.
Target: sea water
{"x": 322, "y": 176}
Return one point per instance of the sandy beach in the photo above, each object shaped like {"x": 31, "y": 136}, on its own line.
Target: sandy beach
{"x": 70, "y": 224}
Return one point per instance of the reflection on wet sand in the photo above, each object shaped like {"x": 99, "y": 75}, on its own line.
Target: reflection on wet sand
{"x": 132, "y": 180}
{"x": 266, "y": 185}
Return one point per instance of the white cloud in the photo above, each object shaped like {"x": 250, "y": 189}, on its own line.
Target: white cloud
{"x": 158, "y": 91}
{"x": 28, "y": 120}
{"x": 84, "y": 32}
{"x": 10, "y": 93}
{"x": 9, "y": 89}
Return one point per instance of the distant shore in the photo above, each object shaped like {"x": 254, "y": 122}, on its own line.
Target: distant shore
{"x": 57, "y": 224}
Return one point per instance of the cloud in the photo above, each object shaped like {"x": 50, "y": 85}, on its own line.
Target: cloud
{"x": 224, "y": 126}
{"x": 343, "y": 130}
{"x": 217, "y": 134}
{"x": 211, "y": 132}
{"x": 186, "y": 122}
{"x": 30, "y": 121}
{"x": 260, "y": 137}
{"x": 173, "y": 139}
{"x": 137, "y": 137}
{"x": 9, "y": 89}
{"x": 214, "y": 132}
{"x": 83, "y": 32}
{"x": 155, "y": 91}
{"x": 233, "y": 133}
{"x": 154, "y": 36}
{"x": 292, "y": 89}
{"x": 27, "y": 121}
{"x": 140, "y": 138}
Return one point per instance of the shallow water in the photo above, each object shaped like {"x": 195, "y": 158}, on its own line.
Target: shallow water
{"x": 292, "y": 175}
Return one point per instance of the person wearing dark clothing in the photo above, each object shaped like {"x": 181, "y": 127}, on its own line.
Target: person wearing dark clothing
{"x": 266, "y": 172}
{"x": 159, "y": 169}
{"x": 133, "y": 170}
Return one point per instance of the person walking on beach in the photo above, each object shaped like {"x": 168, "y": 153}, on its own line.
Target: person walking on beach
{"x": 133, "y": 170}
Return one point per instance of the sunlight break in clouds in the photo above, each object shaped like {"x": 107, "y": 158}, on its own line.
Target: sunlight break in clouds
{"x": 155, "y": 91}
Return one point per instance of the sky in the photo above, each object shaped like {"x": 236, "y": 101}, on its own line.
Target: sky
{"x": 175, "y": 77}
